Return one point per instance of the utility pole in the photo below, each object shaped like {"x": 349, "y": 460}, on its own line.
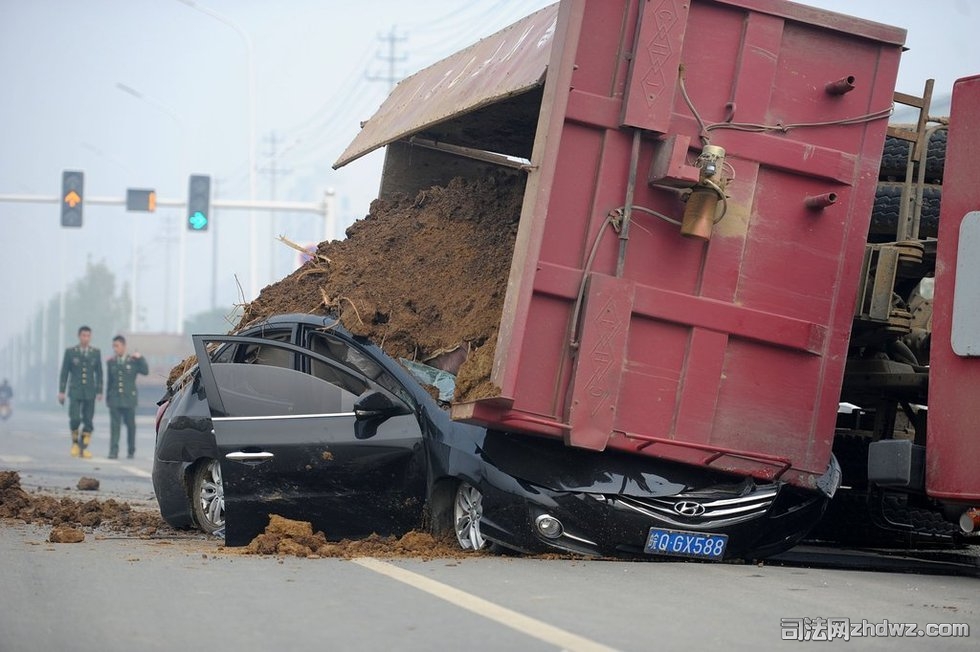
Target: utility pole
{"x": 273, "y": 171}
{"x": 393, "y": 40}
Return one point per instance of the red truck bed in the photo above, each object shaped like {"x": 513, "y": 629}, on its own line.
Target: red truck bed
{"x": 727, "y": 352}
{"x": 954, "y": 384}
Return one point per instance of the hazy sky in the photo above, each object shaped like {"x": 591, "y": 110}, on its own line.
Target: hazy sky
{"x": 62, "y": 64}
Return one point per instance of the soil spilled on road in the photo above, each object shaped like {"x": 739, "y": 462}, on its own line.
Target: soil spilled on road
{"x": 66, "y": 512}
{"x": 286, "y": 537}
{"x": 421, "y": 276}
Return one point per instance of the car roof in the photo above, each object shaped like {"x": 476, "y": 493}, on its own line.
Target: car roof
{"x": 294, "y": 318}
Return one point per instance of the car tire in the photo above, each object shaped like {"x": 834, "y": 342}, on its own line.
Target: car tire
{"x": 208, "y": 497}
{"x": 467, "y": 516}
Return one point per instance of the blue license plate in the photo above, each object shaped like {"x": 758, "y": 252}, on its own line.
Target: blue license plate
{"x": 678, "y": 543}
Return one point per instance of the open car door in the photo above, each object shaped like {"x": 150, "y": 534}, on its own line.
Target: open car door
{"x": 302, "y": 435}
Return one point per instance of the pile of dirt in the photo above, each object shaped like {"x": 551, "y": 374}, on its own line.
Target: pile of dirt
{"x": 65, "y": 511}
{"x": 420, "y": 276}
{"x": 286, "y": 537}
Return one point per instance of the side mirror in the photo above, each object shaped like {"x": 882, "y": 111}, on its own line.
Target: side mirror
{"x": 373, "y": 410}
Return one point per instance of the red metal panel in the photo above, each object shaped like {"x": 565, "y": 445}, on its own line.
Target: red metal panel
{"x": 732, "y": 355}
{"x": 954, "y": 381}
{"x": 656, "y": 56}
{"x": 600, "y": 358}
{"x": 537, "y": 196}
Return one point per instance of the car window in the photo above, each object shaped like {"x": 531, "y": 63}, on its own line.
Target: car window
{"x": 256, "y": 354}
{"x": 334, "y": 348}
{"x": 338, "y": 376}
{"x": 249, "y": 390}
{"x": 225, "y": 353}
{"x": 272, "y": 356}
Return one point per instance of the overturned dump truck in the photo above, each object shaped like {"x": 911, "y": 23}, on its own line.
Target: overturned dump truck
{"x": 692, "y": 278}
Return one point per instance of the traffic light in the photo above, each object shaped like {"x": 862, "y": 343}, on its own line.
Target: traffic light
{"x": 72, "y": 195}
{"x": 199, "y": 202}
{"x": 141, "y": 200}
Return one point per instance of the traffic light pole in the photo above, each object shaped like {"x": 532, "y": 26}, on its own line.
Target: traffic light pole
{"x": 320, "y": 208}
{"x": 325, "y": 208}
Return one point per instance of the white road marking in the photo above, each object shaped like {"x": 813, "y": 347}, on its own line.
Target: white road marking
{"x": 15, "y": 459}
{"x": 137, "y": 472}
{"x": 507, "y": 617}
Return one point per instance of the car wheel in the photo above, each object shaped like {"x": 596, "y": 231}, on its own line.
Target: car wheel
{"x": 467, "y": 515}
{"x": 208, "y": 497}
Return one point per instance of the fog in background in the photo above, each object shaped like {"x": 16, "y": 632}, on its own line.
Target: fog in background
{"x": 143, "y": 93}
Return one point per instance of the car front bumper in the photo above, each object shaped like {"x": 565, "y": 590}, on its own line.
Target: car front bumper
{"x": 618, "y": 526}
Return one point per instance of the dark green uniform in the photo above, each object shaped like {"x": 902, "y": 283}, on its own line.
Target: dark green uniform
{"x": 120, "y": 396}
{"x": 81, "y": 373}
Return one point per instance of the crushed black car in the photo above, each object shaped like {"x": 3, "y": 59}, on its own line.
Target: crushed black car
{"x": 297, "y": 417}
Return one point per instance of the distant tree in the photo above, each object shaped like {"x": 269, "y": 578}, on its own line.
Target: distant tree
{"x": 211, "y": 322}
{"x": 94, "y": 301}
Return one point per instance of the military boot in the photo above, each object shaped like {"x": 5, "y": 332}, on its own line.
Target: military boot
{"x": 86, "y": 440}
{"x": 75, "y": 450}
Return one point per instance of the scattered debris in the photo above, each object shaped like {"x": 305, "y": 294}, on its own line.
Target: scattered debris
{"x": 66, "y": 534}
{"x": 286, "y": 537}
{"x": 43, "y": 509}
{"x": 88, "y": 484}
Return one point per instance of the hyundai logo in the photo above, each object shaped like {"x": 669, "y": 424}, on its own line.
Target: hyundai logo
{"x": 689, "y": 508}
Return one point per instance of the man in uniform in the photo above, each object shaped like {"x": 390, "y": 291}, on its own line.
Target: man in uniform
{"x": 83, "y": 363}
{"x": 120, "y": 394}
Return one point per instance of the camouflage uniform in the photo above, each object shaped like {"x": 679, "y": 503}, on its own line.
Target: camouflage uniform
{"x": 84, "y": 367}
{"x": 120, "y": 396}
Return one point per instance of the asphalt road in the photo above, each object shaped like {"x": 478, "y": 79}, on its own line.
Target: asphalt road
{"x": 116, "y": 593}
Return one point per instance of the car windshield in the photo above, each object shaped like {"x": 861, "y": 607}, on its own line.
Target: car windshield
{"x": 330, "y": 346}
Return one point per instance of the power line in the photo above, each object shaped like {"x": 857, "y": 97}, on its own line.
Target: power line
{"x": 337, "y": 118}
{"x": 273, "y": 171}
{"x": 393, "y": 40}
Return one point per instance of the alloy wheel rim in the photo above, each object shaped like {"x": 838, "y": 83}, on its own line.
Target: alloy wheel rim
{"x": 213, "y": 495}
{"x": 468, "y": 512}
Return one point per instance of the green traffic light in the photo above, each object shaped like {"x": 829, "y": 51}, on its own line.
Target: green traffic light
{"x": 198, "y": 221}
{"x": 199, "y": 202}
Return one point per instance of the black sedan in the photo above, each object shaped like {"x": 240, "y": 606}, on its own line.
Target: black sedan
{"x": 299, "y": 418}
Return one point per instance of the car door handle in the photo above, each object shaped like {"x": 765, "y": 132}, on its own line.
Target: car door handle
{"x": 249, "y": 457}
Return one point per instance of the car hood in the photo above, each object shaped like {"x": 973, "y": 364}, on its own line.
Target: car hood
{"x": 553, "y": 465}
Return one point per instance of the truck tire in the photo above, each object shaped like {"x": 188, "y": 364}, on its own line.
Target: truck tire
{"x": 888, "y": 201}
{"x": 895, "y": 156}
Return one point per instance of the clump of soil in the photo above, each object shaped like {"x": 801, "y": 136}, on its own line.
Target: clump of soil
{"x": 13, "y": 499}
{"x": 88, "y": 484}
{"x": 66, "y": 534}
{"x": 287, "y": 537}
{"x": 50, "y": 510}
{"x": 420, "y": 276}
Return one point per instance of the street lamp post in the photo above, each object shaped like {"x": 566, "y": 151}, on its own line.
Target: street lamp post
{"x": 252, "y": 169}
